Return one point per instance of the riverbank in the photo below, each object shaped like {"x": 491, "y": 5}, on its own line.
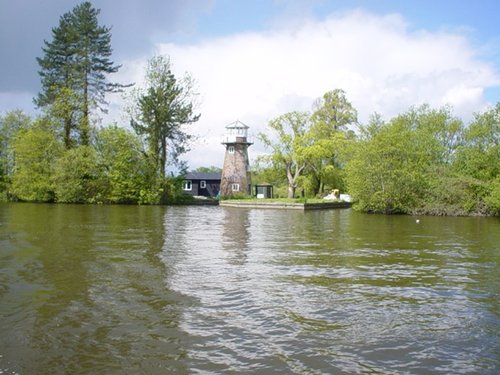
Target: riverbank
{"x": 283, "y": 204}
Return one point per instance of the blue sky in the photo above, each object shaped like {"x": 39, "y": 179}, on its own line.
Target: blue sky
{"x": 254, "y": 60}
{"x": 480, "y": 16}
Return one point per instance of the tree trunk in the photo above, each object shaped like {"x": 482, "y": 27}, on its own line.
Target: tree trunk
{"x": 163, "y": 157}
{"x": 84, "y": 126}
{"x": 291, "y": 181}
{"x": 67, "y": 132}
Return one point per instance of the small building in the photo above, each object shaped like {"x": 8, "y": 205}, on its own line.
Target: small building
{"x": 202, "y": 184}
{"x": 264, "y": 190}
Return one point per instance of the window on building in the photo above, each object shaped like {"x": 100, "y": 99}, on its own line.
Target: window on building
{"x": 230, "y": 149}
{"x": 203, "y": 184}
{"x": 235, "y": 187}
{"x": 187, "y": 186}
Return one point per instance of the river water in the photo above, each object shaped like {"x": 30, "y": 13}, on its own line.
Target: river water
{"x": 212, "y": 290}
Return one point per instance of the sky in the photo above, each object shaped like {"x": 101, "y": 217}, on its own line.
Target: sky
{"x": 253, "y": 60}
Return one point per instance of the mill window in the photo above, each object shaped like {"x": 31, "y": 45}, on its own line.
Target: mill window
{"x": 230, "y": 149}
{"x": 235, "y": 187}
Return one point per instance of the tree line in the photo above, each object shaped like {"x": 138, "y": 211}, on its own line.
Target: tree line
{"x": 424, "y": 161}
{"x": 63, "y": 156}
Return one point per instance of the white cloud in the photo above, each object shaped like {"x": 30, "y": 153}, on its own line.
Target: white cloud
{"x": 377, "y": 60}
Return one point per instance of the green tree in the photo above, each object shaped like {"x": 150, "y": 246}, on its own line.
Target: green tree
{"x": 10, "y": 124}
{"x": 287, "y": 146}
{"x": 492, "y": 200}
{"x": 264, "y": 172}
{"x": 330, "y": 119}
{"x": 395, "y": 167}
{"x": 478, "y": 161}
{"x": 333, "y": 112}
{"x": 36, "y": 150}
{"x": 66, "y": 111}
{"x": 161, "y": 110}
{"x": 129, "y": 173}
{"x": 479, "y": 155}
{"x": 77, "y": 59}
{"x": 77, "y": 177}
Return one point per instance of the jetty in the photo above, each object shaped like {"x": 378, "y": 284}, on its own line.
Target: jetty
{"x": 276, "y": 204}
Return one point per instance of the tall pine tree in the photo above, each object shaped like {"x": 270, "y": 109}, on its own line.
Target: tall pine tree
{"x": 73, "y": 71}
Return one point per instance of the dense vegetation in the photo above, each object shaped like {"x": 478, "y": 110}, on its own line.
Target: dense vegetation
{"x": 424, "y": 161}
{"x": 62, "y": 156}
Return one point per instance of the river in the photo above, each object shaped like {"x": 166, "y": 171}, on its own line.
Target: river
{"x": 212, "y": 290}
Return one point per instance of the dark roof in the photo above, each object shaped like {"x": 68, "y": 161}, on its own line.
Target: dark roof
{"x": 203, "y": 176}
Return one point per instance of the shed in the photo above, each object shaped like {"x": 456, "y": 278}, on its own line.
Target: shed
{"x": 264, "y": 190}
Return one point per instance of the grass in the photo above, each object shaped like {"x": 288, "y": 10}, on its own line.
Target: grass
{"x": 282, "y": 200}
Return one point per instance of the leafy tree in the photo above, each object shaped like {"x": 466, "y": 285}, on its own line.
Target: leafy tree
{"x": 75, "y": 64}
{"x": 395, "y": 167}
{"x": 376, "y": 176}
{"x": 77, "y": 177}
{"x": 479, "y": 156}
{"x": 287, "y": 146}
{"x": 10, "y": 125}
{"x": 127, "y": 170}
{"x": 332, "y": 115}
{"x": 66, "y": 110}
{"x": 264, "y": 172}
{"x": 36, "y": 150}
{"x": 492, "y": 200}
{"x": 332, "y": 112}
{"x": 478, "y": 161}
{"x": 161, "y": 110}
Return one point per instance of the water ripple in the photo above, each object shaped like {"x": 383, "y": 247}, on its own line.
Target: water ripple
{"x": 212, "y": 290}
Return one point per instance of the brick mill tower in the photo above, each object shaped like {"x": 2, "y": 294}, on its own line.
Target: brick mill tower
{"x": 236, "y": 170}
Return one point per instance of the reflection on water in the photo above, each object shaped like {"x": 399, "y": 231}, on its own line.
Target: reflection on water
{"x": 155, "y": 290}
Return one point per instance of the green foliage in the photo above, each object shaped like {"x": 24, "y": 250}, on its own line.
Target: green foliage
{"x": 449, "y": 194}
{"x": 327, "y": 137}
{"x": 66, "y": 111}
{"x": 172, "y": 192}
{"x": 392, "y": 169}
{"x": 308, "y": 147}
{"x": 36, "y": 150}
{"x": 426, "y": 162}
{"x": 128, "y": 172}
{"x": 160, "y": 112}
{"x": 236, "y": 196}
{"x": 479, "y": 155}
{"x": 77, "y": 177}
{"x": 287, "y": 145}
{"x": 332, "y": 112}
{"x": 492, "y": 200}
{"x": 10, "y": 125}
{"x": 265, "y": 173}
{"x": 478, "y": 159}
